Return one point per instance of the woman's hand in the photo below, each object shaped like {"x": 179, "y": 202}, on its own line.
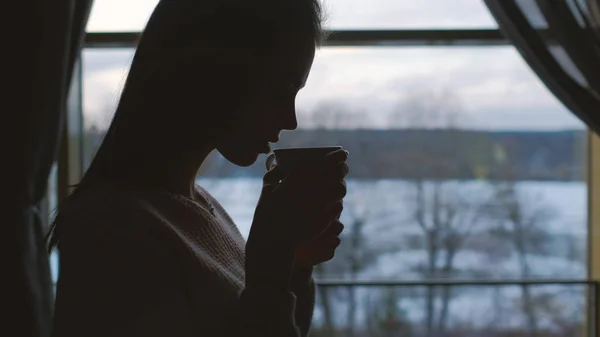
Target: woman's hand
{"x": 320, "y": 250}
{"x": 295, "y": 208}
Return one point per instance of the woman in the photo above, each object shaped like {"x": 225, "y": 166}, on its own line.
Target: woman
{"x": 146, "y": 252}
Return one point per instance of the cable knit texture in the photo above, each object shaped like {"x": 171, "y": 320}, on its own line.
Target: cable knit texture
{"x": 148, "y": 263}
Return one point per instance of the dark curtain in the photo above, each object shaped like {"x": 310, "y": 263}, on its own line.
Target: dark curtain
{"x": 560, "y": 40}
{"x": 42, "y": 49}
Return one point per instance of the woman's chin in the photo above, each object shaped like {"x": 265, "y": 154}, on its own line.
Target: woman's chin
{"x": 242, "y": 156}
{"x": 243, "y": 159}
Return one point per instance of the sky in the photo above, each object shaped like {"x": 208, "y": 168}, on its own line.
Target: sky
{"x": 485, "y": 87}
{"x": 131, "y": 15}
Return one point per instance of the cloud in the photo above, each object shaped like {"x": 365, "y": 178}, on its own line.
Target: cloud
{"x": 491, "y": 82}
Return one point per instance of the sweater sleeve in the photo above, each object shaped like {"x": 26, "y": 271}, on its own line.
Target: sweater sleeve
{"x": 269, "y": 311}
{"x": 303, "y": 286}
{"x": 268, "y": 304}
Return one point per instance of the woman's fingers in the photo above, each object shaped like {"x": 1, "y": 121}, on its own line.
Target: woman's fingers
{"x": 336, "y": 228}
{"x": 340, "y": 171}
{"x": 336, "y": 157}
{"x": 274, "y": 175}
{"x": 327, "y": 224}
{"x": 340, "y": 190}
{"x": 332, "y": 195}
{"x": 344, "y": 169}
{"x": 333, "y": 241}
{"x": 330, "y": 238}
{"x": 327, "y": 200}
{"x": 336, "y": 210}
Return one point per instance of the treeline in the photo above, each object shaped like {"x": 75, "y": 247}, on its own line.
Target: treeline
{"x": 431, "y": 154}
{"x": 440, "y": 154}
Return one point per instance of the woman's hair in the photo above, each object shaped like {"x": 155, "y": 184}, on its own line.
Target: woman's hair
{"x": 192, "y": 53}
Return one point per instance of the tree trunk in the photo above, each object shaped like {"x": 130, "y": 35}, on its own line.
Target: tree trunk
{"x": 529, "y": 311}
{"x": 370, "y": 315}
{"x": 432, "y": 252}
{"x": 429, "y": 307}
{"x": 498, "y": 321}
{"x": 528, "y": 306}
{"x": 446, "y": 292}
{"x": 325, "y": 295}
{"x": 351, "y": 314}
{"x": 356, "y": 240}
{"x": 430, "y": 300}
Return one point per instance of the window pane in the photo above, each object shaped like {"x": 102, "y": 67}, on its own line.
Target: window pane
{"x": 131, "y": 15}
{"x": 460, "y": 144}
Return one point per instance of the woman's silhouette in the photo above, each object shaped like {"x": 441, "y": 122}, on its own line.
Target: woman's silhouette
{"x": 146, "y": 252}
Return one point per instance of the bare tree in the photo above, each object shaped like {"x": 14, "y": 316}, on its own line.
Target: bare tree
{"x": 429, "y": 109}
{"x": 359, "y": 253}
{"x": 362, "y": 216}
{"x": 390, "y": 319}
{"x": 438, "y": 205}
{"x": 334, "y": 115}
{"x": 362, "y": 213}
{"x": 520, "y": 222}
{"x": 447, "y": 217}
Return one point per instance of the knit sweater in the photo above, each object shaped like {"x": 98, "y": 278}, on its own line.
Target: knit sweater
{"x": 149, "y": 263}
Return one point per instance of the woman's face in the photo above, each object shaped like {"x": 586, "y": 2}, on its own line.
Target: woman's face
{"x": 270, "y": 107}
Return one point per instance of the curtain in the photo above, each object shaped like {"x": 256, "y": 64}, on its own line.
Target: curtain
{"x": 43, "y": 48}
{"x": 560, "y": 41}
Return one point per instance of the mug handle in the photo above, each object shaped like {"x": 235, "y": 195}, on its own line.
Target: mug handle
{"x": 270, "y": 162}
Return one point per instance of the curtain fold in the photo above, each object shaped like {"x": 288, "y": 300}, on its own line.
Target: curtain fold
{"x": 47, "y": 46}
{"x": 560, "y": 41}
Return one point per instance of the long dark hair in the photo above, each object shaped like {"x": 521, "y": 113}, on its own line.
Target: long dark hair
{"x": 213, "y": 46}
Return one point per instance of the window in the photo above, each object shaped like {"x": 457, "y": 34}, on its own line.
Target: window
{"x": 464, "y": 167}
{"x": 393, "y": 94}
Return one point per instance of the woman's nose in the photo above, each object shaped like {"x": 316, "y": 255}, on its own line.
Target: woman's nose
{"x": 290, "y": 121}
